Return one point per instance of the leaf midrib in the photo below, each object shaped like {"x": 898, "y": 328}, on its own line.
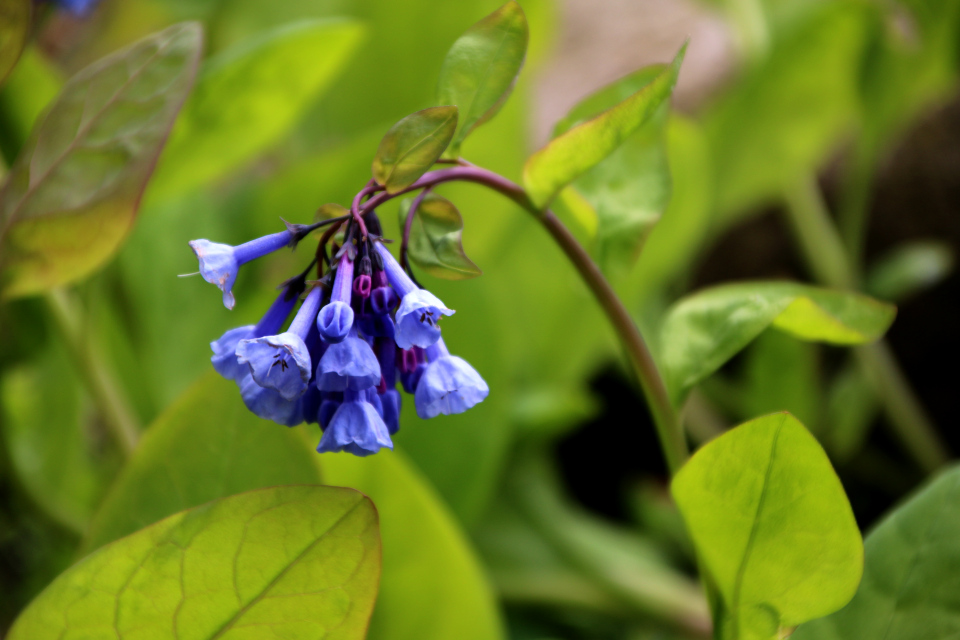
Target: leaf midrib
{"x": 422, "y": 141}
{"x": 257, "y": 598}
{"x": 742, "y": 569}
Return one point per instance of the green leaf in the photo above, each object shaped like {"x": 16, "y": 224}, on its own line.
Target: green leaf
{"x": 783, "y": 374}
{"x": 704, "y": 330}
{"x": 73, "y": 191}
{"x": 198, "y": 450}
{"x": 909, "y": 588}
{"x": 852, "y": 406}
{"x": 481, "y": 68}
{"x": 207, "y": 445}
{"x": 630, "y": 189}
{"x": 250, "y": 96}
{"x": 909, "y": 269}
{"x": 51, "y": 435}
{"x": 433, "y": 585}
{"x": 14, "y": 30}
{"x": 571, "y": 154}
{"x": 286, "y": 562}
{"x": 772, "y": 526}
{"x": 412, "y": 146}
{"x": 435, "y": 239}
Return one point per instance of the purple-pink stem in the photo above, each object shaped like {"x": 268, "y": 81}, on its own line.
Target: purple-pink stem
{"x": 370, "y": 188}
{"x": 665, "y": 418}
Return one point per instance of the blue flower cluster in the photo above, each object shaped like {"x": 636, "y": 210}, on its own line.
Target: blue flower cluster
{"x": 361, "y": 327}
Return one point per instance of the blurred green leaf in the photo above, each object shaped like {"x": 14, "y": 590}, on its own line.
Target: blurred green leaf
{"x": 704, "y": 330}
{"x": 433, "y": 586}
{"x": 909, "y": 588}
{"x": 783, "y": 374}
{"x": 250, "y": 96}
{"x": 51, "y": 437}
{"x": 412, "y": 145}
{"x": 575, "y": 151}
{"x": 14, "y": 30}
{"x": 909, "y": 269}
{"x": 772, "y": 525}
{"x": 630, "y": 188}
{"x": 852, "y": 406}
{"x": 435, "y": 244}
{"x": 785, "y": 115}
{"x": 29, "y": 89}
{"x": 72, "y": 194}
{"x": 481, "y": 68}
{"x": 287, "y": 561}
{"x": 198, "y": 450}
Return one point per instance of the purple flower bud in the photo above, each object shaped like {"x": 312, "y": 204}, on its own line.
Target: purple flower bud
{"x": 336, "y": 318}
{"x": 219, "y": 263}
{"x": 362, "y": 285}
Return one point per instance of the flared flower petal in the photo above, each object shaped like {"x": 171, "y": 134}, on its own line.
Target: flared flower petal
{"x": 218, "y": 266}
{"x": 448, "y": 385}
{"x": 350, "y": 364}
{"x": 280, "y": 362}
{"x": 268, "y": 404}
{"x": 417, "y": 319}
{"x": 356, "y": 427}
{"x": 224, "y": 349}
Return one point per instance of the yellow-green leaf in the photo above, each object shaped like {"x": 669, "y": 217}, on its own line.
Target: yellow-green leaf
{"x": 14, "y": 29}
{"x": 286, "y": 562}
{"x": 772, "y": 525}
{"x": 571, "y": 154}
{"x": 481, "y": 68}
{"x": 436, "y": 244}
{"x": 74, "y": 189}
{"x": 412, "y": 146}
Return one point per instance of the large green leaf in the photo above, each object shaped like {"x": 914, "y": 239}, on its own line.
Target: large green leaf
{"x": 286, "y": 562}
{"x": 909, "y": 589}
{"x": 412, "y": 145}
{"x": 772, "y": 526}
{"x": 73, "y": 191}
{"x": 199, "y": 450}
{"x": 436, "y": 243}
{"x": 481, "y": 68}
{"x": 14, "y": 30}
{"x": 572, "y": 153}
{"x": 249, "y": 96}
{"x": 704, "y": 330}
{"x": 433, "y": 586}
{"x": 208, "y": 446}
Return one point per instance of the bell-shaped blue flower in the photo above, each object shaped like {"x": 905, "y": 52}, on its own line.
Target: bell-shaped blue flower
{"x": 390, "y": 401}
{"x": 269, "y": 404}
{"x": 448, "y": 385}
{"x": 219, "y": 263}
{"x": 282, "y": 362}
{"x": 336, "y": 318}
{"x": 350, "y": 364}
{"x": 224, "y": 356}
{"x": 355, "y": 427}
{"x": 420, "y": 311}
{"x": 327, "y": 410}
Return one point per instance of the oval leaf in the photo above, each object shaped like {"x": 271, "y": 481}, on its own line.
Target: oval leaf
{"x": 909, "y": 269}
{"x": 436, "y": 244}
{"x": 73, "y": 191}
{"x": 909, "y": 588}
{"x": 284, "y": 562}
{"x": 14, "y": 29}
{"x": 571, "y": 154}
{"x": 481, "y": 67}
{"x": 772, "y": 524}
{"x": 412, "y": 146}
{"x": 249, "y": 96}
{"x": 208, "y": 446}
{"x": 704, "y": 330}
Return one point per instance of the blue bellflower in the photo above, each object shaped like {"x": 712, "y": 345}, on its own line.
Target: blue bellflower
{"x": 282, "y": 361}
{"x": 224, "y": 356}
{"x": 448, "y": 385}
{"x": 420, "y": 311}
{"x": 336, "y": 318}
{"x": 349, "y": 364}
{"x": 219, "y": 263}
{"x": 269, "y": 404}
{"x": 355, "y": 427}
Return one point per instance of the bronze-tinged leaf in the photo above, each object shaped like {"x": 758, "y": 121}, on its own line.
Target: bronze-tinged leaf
{"x": 412, "y": 146}
{"x": 73, "y": 192}
{"x": 436, "y": 244}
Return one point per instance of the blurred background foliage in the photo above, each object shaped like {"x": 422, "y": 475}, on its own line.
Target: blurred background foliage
{"x": 543, "y": 512}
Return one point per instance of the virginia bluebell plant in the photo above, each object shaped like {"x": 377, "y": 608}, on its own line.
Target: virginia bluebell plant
{"x": 362, "y": 326}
